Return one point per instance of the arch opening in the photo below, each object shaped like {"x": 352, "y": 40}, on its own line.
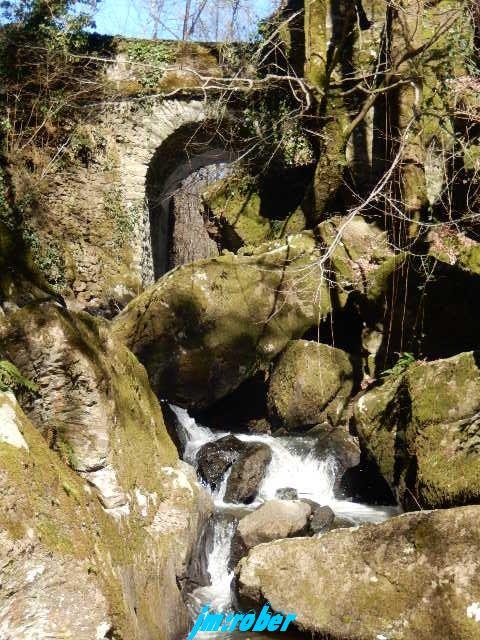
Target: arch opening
{"x": 190, "y": 159}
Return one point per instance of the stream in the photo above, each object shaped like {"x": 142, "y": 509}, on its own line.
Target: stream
{"x": 293, "y": 464}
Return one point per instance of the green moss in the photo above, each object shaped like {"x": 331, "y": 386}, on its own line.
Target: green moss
{"x": 316, "y": 38}
{"x": 235, "y": 203}
{"x": 123, "y": 217}
{"x": 47, "y": 255}
{"x": 420, "y": 428}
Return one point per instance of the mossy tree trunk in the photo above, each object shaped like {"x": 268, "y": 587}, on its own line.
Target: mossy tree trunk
{"x": 405, "y": 103}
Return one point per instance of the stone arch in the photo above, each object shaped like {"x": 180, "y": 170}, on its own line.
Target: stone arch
{"x": 139, "y": 133}
{"x": 183, "y": 165}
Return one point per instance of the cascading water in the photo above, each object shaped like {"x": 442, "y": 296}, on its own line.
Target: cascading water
{"x": 293, "y": 464}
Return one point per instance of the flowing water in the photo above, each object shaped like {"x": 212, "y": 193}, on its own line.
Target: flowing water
{"x": 294, "y": 464}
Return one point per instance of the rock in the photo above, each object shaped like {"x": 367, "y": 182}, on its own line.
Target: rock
{"x": 341, "y": 523}
{"x": 311, "y": 383}
{"x": 259, "y": 426}
{"x": 247, "y": 473}
{"x": 421, "y": 428}
{"x": 71, "y": 569}
{"x": 174, "y": 427}
{"x": 236, "y": 206}
{"x": 286, "y": 493}
{"x": 95, "y": 408}
{"x": 275, "y": 519}
{"x": 205, "y": 328}
{"x": 405, "y": 579}
{"x": 321, "y": 520}
{"x": 340, "y": 445}
{"x": 215, "y": 458}
{"x": 85, "y": 381}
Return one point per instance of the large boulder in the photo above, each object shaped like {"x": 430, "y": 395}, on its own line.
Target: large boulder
{"x": 405, "y": 579}
{"x": 247, "y": 473}
{"x": 204, "y": 328}
{"x": 311, "y": 383}
{"x": 421, "y": 428}
{"x": 95, "y": 409}
{"x": 275, "y": 519}
{"x": 70, "y": 569}
{"x": 215, "y": 458}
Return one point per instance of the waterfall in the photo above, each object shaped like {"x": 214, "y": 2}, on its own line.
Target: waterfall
{"x": 293, "y": 464}
{"x": 217, "y": 594}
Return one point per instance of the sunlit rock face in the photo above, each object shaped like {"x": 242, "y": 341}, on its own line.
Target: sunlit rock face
{"x": 91, "y": 487}
{"x": 404, "y": 579}
{"x": 204, "y": 328}
{"x": 421, "y": 427}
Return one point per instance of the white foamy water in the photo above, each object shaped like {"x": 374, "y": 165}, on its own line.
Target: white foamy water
{"x": 294, "y": 464}
{"x": 217, "y": 594}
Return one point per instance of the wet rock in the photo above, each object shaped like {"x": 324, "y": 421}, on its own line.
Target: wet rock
{"x": 321, "y": 517}
{"x": 340, "y": 522}
{"x": 197, "y": 573}
{"x": 175, "y": 430}
{"x": 421, "y": 428}
{"x": 311, "y": 383}
{"x": 340, "y": 445}
{"x": 405, "y": 579}
{"x": 259, "y": 426}
{"x": 337, "y": 443}
{"x": 321, "y": 520}
{"x": 286, "y": 493}
{"x": 275, "y": 519}
{"x": 215, "y": 458}
{"x": 247, "y": 473}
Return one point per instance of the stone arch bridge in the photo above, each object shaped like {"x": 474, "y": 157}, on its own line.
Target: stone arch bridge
{"x": 105, "y": 218}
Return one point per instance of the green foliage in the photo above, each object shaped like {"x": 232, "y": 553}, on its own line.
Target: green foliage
{"x": 123, "y": 217}
{"x": 43, "y": 76}
{"x": 150, "y": 57}
{"x": 12, "y": 380}
{"x": 7, "y": 215}
{"x": 38, "y": 14}
{"x": 402, "y": 364}
{"x": 48, "y": 256}
{"x": 277, "y": 129}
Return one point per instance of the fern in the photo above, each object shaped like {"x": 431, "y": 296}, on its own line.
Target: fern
{"x": 402, "y": 364}
{"x": 12, "y": 380}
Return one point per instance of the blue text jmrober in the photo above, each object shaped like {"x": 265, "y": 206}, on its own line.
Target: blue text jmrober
{"x": 226, "y": 622}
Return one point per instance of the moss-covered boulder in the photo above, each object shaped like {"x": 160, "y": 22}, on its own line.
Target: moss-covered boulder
{"x": 70, "y": 569}
{"x": 95, "y": 409}
{"x": 311, "y": 383}
{"x": 421, "y": 428}
{"x": 455, "y": 248}
{"x": 405, "y": 579}
{"x": 204, "y": 328}
{"x": 235, "y": 205}
{"x": 94, "y": 397}
{"x": 241, "y": 212}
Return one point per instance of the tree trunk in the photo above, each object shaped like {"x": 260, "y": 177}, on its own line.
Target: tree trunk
{"x": 186, "y": 20}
